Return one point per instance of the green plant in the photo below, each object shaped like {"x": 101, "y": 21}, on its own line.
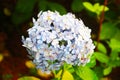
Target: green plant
{"x": 107, "y": 59}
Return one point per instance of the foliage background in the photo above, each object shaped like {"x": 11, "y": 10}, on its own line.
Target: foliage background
{"x": 15, "y": 19}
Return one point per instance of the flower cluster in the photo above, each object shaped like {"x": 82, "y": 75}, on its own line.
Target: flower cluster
{"x": 57, "y": 39}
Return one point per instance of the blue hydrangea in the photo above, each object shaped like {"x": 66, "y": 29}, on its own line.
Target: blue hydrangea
{"x": 56, "y": 39}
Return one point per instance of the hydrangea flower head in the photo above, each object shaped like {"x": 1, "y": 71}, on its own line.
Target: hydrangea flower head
{"x": 56, "y": 39}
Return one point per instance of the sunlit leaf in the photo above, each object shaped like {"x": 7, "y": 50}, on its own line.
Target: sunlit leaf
{"x": 89, "y": 6}
{"x": 97, "y": 8}
{"x": 43, "y": 74}
{"x": 66, "y": 75}
{"x": 77, "y": 5}
{"x": 103, "y": 58}
{"x": 106, "y": 8}
{"x": 86, "y": 73}
{"x": 29, "y": 78}
{"x": 29, "y": 64}
{"x": 108, "y": 30}
{"x": 107, "y": 70}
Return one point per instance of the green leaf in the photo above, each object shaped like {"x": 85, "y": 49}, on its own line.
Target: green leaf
{"x": 42, "y": 5}
{"x": 28, "y": 78}
{"x": 96, "y": 8}
{"x": 114, "y": 54}
{"x": 117, "y": 34}
{"x": 89, "y": 6}
{"x": 114, "y": 44}
{"x": 108, "y": 31}
{"x": 18, "y": 18}
{"x": 76, "y": 77}
{"x": 22, "y": 11}
{"x": 66, "y": 75}
{"x": 99, "y": 71}
{"x": 56, "y": 7}
{"x": 85, "y": 73}
{"x": 115, "y": 58}
{"x": 92, "y": 62}
{"x": 77, "y": 5}
{"x": 107, "y": 70}
{"x": 101, "y": 57}
{"x": 99, "y": 8}
{"x": 106, "y": 8}
{"x": 110, "y": 15}
{"x": 46, "y": 5}
{"x": 115, "y": 63}
{"x": 68, "y": 67}
{"x": 22, "y": 7}
{"x": 102, "y": 48}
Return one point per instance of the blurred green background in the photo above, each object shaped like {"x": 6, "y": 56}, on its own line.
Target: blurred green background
{"x": 16, "y": 17}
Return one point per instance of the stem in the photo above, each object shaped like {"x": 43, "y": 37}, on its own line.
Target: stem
{"x": 62, "y": 73}
{"x": 100, "y": 22}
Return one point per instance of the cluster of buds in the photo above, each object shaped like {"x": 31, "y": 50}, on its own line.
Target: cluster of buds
{"x": 56, "y": 39}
